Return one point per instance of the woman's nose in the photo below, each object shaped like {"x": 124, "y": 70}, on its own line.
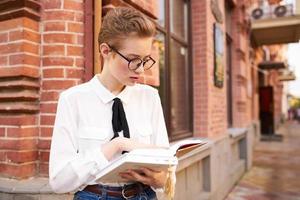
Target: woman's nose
{"x": 140, "y": 69}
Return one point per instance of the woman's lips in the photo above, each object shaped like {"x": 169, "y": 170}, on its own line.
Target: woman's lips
{"x": 134, "y": 78}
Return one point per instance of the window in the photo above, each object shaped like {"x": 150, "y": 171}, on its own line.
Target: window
{"x": 175, "y": 67}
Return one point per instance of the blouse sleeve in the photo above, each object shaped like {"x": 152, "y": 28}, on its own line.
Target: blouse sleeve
{"x": 161, "y": 139}
{"x": 70, "y": 169}
{"x": 158, "y": 123}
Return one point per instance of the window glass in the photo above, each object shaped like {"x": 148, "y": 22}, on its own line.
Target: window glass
{"x": 179, "y": 17}
{"x": 161, "y": 12}
{"x": 180, "y": 91}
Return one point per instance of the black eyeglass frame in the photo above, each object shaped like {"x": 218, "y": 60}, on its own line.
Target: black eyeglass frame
{"x": 130, "y": 60}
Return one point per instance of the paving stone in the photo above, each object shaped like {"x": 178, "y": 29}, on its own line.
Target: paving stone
{"x": 276, "y": 170}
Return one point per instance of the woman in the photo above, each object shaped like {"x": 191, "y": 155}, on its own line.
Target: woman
{"x": 98, "y": 120}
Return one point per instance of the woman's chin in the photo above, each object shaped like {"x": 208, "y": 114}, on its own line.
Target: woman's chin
{"x": 131, "y": 84}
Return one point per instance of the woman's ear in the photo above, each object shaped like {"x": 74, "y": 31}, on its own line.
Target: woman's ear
{"x": 104, "y": 50}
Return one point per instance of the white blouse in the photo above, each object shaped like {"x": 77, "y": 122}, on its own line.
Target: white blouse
{"x": 84, "y": 123}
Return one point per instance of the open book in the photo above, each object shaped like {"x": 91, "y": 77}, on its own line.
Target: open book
{"x": 153, "y": 158}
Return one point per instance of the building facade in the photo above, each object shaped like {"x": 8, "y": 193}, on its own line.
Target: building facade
{"x": 207, "y": 77}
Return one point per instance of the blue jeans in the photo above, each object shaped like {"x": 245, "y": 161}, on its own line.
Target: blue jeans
{"x": 146, "y": 194}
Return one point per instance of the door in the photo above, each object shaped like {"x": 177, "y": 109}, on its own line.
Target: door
{"x": 266, "y": 110}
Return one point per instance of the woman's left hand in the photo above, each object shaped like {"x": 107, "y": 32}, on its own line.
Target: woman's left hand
{"x": 147, "y": 176}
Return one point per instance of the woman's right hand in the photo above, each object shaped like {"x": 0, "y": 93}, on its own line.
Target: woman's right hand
{"x": 127, "y": 144}
{"x": 121, "y": 144}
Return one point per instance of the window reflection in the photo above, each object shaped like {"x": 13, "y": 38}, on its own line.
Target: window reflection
{"x": 179, "y": 88}
{"x": 161, "y": 12}
{"x": 179, "y": 18}
{"x": 159, "y": 45}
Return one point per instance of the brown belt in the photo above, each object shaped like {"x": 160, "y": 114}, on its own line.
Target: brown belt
{"x": 127, "y": 191}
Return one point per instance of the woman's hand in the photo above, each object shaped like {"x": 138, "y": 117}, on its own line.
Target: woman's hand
{"x": 121, "y": 144}
{"x": 127, "y": 144}
{"x": 147, "y": 176}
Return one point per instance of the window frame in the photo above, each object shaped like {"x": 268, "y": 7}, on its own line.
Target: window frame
{"x": 166, "y": 30}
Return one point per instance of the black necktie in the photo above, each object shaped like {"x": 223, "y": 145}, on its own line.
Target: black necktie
{"x": 119, "y": 121}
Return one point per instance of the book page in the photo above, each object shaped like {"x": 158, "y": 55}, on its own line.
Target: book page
{"x": 187, "y": 145}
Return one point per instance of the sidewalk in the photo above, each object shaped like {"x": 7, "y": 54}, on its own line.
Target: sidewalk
{"x": 275, "y": 174}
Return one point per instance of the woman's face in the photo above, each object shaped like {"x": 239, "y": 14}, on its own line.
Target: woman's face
{"x": 131, "y": 48}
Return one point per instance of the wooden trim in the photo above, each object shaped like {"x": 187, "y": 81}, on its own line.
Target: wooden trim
{"x": 138, "y": 7}
{"x": 167, "y": 76}
{"x": 190, "y": 68}
{"x": 88, "y": 40}
{"x": 97, "y": 26}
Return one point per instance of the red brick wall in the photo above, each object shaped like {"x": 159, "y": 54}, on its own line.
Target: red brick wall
{"x": 209, "y": 101}
{"x": 243, "y": 96}
{"x": 201, "y": 82}
{"x": 210, "y": 104}
{"x": 62, "y": 63}
{"x": 19, "y": 59}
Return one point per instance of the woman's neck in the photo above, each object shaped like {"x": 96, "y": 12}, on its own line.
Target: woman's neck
{"x": 110, "y": 83}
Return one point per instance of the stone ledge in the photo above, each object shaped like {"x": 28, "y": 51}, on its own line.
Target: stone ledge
{"x": 237, "y": 133}
{"x": 194, "y": 156}
{"x": 30, "y": 186}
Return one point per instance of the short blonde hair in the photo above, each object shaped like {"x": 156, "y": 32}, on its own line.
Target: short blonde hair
{"x": 122, "y": 22}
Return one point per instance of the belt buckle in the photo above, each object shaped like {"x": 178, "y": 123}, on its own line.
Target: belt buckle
{"x": 124, "y": 188}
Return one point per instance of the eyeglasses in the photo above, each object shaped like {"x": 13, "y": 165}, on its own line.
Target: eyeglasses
{"x": 135, "y": 63}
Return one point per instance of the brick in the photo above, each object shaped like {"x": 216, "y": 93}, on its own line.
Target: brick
{"x": 18, "y": 171}
{"x": 44, "y": 144}
{"x": 48, "y": 107}
{"x": 52, "y": 4}
{"x": 49, "y": 96}
{"x": 44, "y": 156}
{"x": 10, "y": 48}
{"x": 59, "y": 38}
{"x": 24, "y": 59}
{"x": 75, "y": 27}
{"x": 47, "y": 119}
{"x": 2, "y": 132}
{"x": 74, "y": 51}
{"x": 53, "y": 73}
{"x": 18, "y": 70}
{"x": 31, "y": 48}
{"x": 11, "y": 24}
{"x": 54, "y": 26}
{"x": 3, "y": 37}
{"x": 22, "y": 156}
{"x": 53, "y": 50}
{"x": 44, "y": 169}
{"x": 19, "y": 132}
{"x": 46, "y": 131}
{"x": 62, "y": 15}
{"x": 79, "y": 62}
{"x": 79, "y": 17}
{"x": 3, "y": 60}
{"x": 73, "y": 5}
{"x": 2, "y": 156}
{"x": 57, "y": 84}
{"x": 24, "y": 34}
{"x": 80, "y": 39}
{"x": 74, "y": 72}
{"x": 31, "y": 24}
{"x": 18, "y": 120}
{"x": 16, "y": 35}
{"x": 58, "y": 61}
{"x": 15, "y": 144}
